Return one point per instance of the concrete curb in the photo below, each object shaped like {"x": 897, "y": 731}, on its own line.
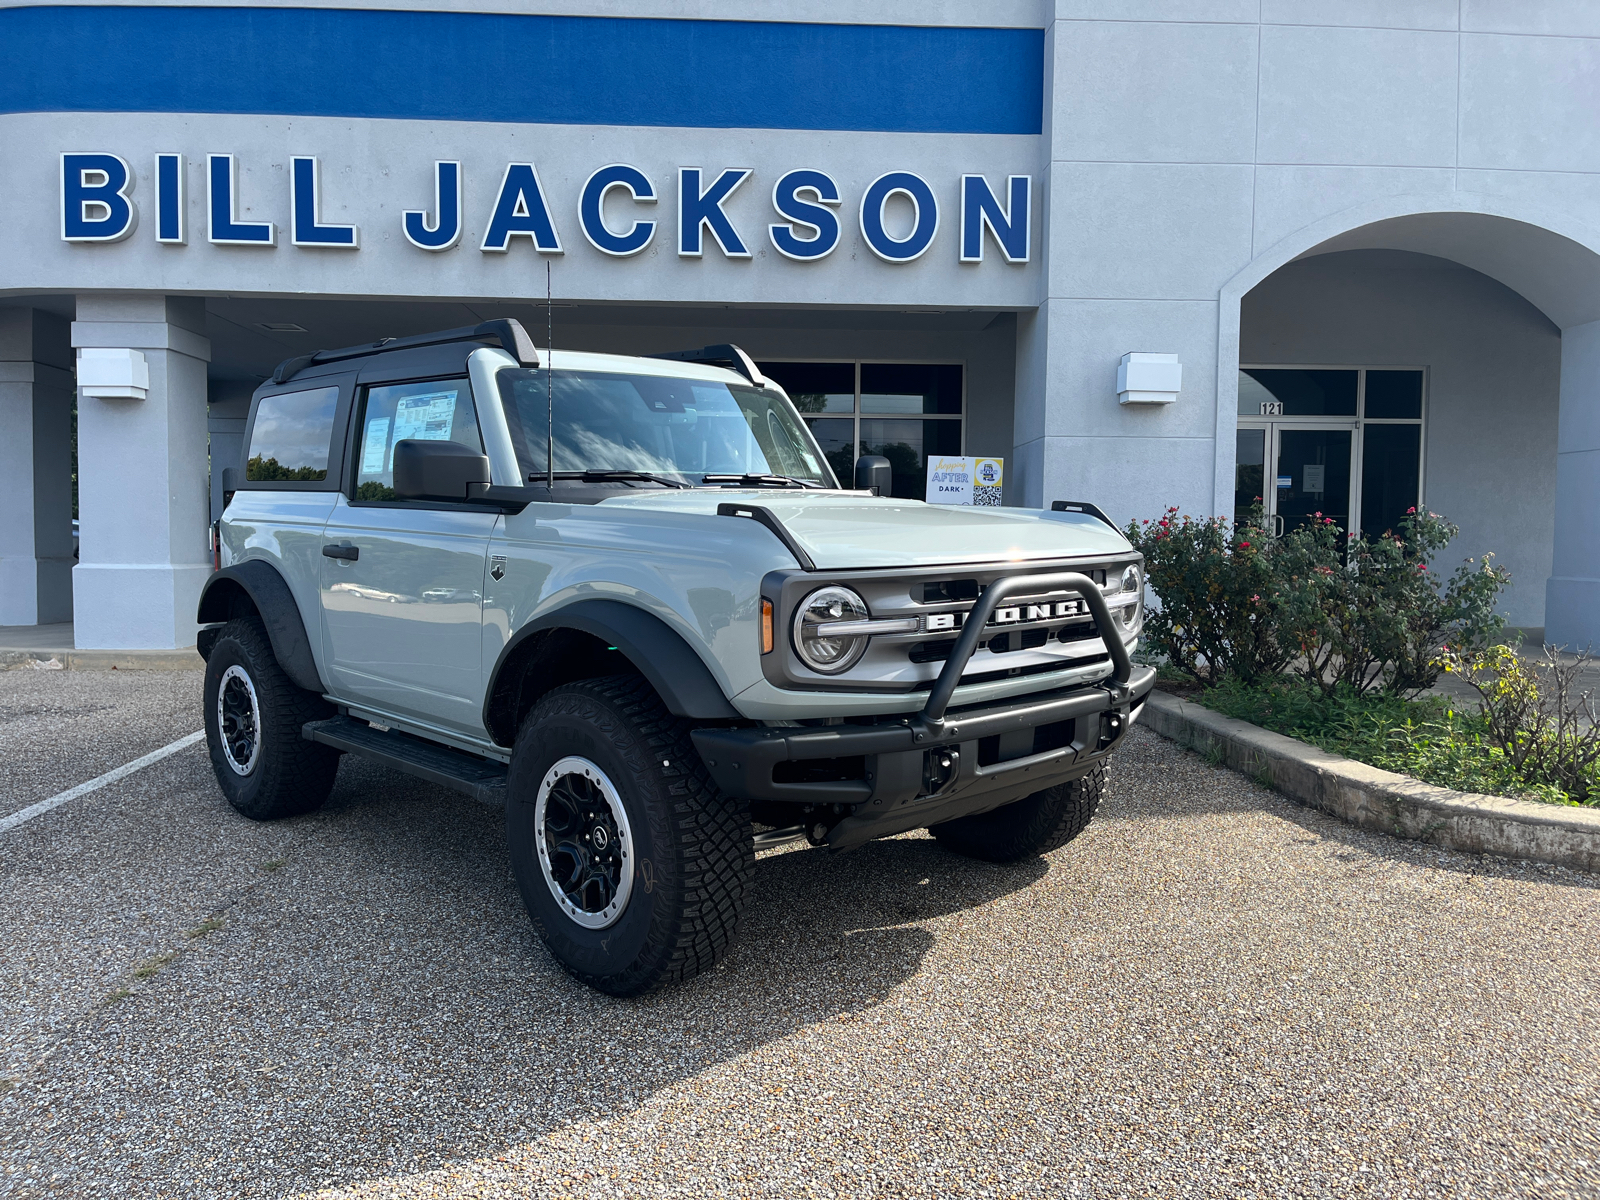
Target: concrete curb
{"x": 1381, "y": 800}
{"x": 101, "y": 660}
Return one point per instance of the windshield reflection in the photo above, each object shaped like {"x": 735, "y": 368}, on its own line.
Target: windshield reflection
{"x": 681, "y": 427}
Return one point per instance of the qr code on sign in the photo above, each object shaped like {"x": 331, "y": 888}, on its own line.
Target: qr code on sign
{"x": 989, "y": 496}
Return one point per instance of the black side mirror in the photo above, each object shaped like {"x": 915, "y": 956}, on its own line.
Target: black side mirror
{"x": 875, "y": 475}
{"x": 425, "y": 470}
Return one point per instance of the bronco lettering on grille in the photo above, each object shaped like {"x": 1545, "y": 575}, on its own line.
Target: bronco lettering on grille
{"x": 1016, "y": 614}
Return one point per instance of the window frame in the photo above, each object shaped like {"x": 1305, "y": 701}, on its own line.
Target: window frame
{"x": 1355, "y": 424}
{"x": 337, "y": 437}
{"x": 856, "y": 416}
{"x": 357, "y": 420}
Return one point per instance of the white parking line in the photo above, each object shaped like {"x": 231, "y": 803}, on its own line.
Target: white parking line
{"x": 100, "y": 781}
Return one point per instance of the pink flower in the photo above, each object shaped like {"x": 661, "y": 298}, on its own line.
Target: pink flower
{"x": 1244, "y": 545}
{"x": 1422, "y": 566}
{"x": 1411, "y": 510}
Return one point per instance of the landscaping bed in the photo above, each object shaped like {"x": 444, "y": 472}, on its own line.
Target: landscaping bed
{"x": 1431, "y": 738}
{"x": 1337, "y": 641}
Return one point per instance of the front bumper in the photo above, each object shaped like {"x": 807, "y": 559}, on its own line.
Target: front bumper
{"x": 910, "y": 773}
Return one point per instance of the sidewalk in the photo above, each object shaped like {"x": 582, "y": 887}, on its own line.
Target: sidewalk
{"x": 51, "y": 648}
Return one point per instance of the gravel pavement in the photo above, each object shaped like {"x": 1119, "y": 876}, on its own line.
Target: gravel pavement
{"x": 1211, "y": 992}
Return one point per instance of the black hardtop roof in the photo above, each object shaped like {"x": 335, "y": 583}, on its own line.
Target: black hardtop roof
{"x": 508, "y": 334}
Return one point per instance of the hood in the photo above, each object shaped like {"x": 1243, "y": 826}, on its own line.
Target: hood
{"x": 843, "y": 530}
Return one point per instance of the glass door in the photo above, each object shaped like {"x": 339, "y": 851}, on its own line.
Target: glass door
{"x": 1343, "y": 441}
{"x": 1295, "y": 471}
{"x": 1312, "y": 477}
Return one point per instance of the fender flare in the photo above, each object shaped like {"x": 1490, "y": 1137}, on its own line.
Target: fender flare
{"x": 678, "y": 674}
{"x": 269, "y": 593}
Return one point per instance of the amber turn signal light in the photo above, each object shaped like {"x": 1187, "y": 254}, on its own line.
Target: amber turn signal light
{"x": 766, "y": 627}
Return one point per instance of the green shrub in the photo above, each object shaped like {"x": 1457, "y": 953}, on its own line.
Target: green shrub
{"x": 1431, "y": 739}
{"x": 1535, "y": 714}
{"x": 1218, "y": 595}
{"x": 1371, "y": 615}
{"x": 1337, "y": 610}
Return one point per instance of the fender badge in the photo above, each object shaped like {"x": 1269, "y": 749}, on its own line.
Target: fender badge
{"x": 497, "y": 567}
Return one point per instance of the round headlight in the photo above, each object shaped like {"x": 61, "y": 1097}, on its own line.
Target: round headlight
{"x": 1129, "y": 599}
{"x": 829, "y": 655}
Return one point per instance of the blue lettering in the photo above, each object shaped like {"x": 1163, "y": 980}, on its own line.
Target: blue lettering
{"x": 225, "y": 227}
{"x": 809, "y": 214}
{"x": 592, "y": 203}
{"x": 94, "y": 198}
{"x": 446, "y": 229}
{"x": 924, "y": 225}
{"x": 1010, "y": 226}
{"x": 520, "y": 211}
{"x": 170, "y": 199}
{"x": 305, "y": 209}
{"x": 698, "y": 211}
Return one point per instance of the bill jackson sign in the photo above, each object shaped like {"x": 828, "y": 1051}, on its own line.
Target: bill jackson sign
{"x": 615, "y": 210}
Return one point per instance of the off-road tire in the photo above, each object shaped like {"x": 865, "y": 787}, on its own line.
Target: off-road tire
{"x": 694, "y": 857}
{"x": 287, "y": 775}
{"x": 1029, "y": 827}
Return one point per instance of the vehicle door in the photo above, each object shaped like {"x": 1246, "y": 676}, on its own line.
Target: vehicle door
{"x": 402, "y": 580}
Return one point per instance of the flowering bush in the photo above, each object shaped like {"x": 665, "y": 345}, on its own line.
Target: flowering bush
{"x": 1218, "y": 614}
{"x": 1371, "y": 614}
{"x": 1331, "y": 607}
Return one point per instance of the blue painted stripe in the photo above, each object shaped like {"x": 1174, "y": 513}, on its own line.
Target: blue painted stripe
{"x": 488, "y": 67}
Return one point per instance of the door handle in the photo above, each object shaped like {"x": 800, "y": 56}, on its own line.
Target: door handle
{"x": 346, "y": 552}
{"x": 1277, "y": 526}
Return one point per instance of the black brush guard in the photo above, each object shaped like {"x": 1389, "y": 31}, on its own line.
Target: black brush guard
{"x": 924, "y": 769}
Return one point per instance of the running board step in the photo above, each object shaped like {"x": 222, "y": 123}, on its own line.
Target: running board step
{"x": 479, "y": 778}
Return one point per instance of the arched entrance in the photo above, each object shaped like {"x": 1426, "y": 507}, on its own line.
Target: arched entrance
{"x": 1445, "y": 349}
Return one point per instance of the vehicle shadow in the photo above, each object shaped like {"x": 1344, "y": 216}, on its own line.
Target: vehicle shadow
{"x": 382, "y": 1006}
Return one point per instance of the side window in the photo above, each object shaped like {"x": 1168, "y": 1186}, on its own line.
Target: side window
{"x": 289, "y": 442}
{"x": 438, "y": 410}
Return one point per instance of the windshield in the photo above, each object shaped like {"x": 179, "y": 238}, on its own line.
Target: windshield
{"x": 608, "y": 421}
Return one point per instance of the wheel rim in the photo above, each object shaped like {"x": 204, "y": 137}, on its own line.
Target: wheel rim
{"x": 585, "y": 842}
{"x": 239, "y": 720}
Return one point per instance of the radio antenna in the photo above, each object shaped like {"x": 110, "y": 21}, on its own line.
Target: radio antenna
{"x": 549, "y": 386}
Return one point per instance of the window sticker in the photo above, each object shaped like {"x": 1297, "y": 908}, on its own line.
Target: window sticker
{"x": 427, "y": 417}
{"x": 373, "y": 452}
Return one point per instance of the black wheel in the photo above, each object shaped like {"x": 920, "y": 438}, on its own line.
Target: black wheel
{"x": 253, "y": 715}
{"x": 633, "y": 866}
{"x": 1026, "y": 828}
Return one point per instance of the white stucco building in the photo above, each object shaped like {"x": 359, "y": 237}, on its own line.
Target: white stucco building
{"x": 1359, "y": 239}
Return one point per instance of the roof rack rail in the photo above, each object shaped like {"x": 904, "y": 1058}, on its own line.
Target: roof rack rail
{"x": 510, "y": 334}
{"x": 1083, "y": 506}
{"x": 724, "y": 355}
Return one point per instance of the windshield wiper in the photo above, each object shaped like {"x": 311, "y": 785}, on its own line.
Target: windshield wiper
{"x": 620, "y": 476}
{"x": 757, "y": 480}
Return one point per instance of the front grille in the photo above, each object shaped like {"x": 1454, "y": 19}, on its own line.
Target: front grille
{"x": 1005, "y": 643}
{"x": 1031, "y": 633}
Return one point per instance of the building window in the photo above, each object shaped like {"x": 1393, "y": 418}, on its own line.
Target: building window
{"x": 903, "y": 411}
{"x": 1340, "y": 442}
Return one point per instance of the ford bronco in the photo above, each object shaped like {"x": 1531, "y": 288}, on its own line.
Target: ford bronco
{"x": 627, "y": 599}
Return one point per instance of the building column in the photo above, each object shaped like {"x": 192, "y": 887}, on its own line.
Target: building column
{"x": 35, "y": 468}
{"x": 1572, "y": 596}
{"x": 144, "y": 550}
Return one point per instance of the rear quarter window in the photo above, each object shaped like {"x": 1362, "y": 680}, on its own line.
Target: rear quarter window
{"x": 290, "y": 440}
